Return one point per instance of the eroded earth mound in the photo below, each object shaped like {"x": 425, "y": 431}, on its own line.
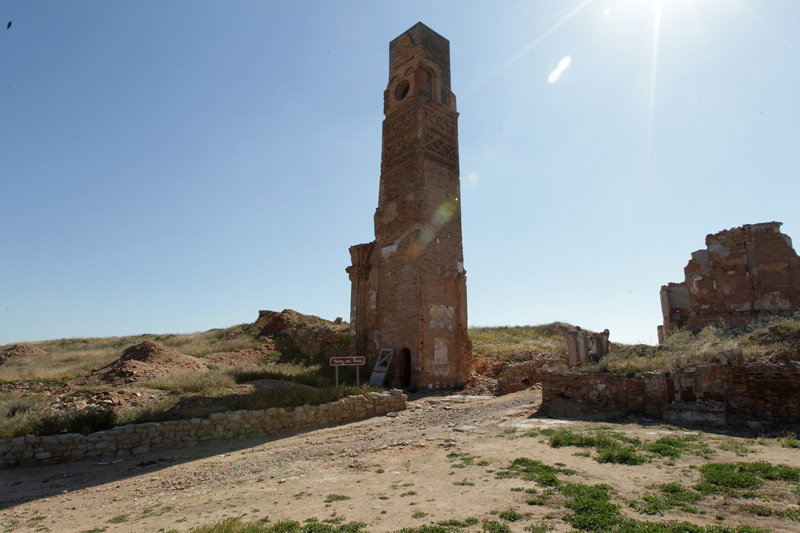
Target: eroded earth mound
{"x": 16, "y": 350}
{"x": 146, "y": 360}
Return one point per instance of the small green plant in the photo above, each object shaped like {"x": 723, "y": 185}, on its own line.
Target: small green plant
{"x": 671, "y": 495}
{"x": 463, "y": 483}
{"x": 330, "y": 498}
{"x": 738, "y": 447}
{"x": 738, "y": 478}
{"x": 612, "y": 447}
{"x": 790, "y": 440}
{"x": 541, "y": 527}
{"x": 541, "y": 499}
{"x": 511, "y": 515}
{"x": 119, "y": 519}
{"x": 461, "y": 460}
{"x": 534, "y": 470}
{"x": 409, "y": 493}
{"x": 492, "y": 526}
{"x": 419, "y": 514}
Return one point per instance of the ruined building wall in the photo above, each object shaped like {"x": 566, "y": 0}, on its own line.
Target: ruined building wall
{"x": 409, "y": 285}
{"x": 743, "y": 273}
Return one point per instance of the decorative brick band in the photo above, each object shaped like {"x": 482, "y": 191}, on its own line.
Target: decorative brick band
{"x": 133, "y": 439}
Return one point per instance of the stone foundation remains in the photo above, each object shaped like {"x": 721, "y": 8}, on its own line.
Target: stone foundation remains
{"x": 743, "y": 274}
{"x": 137, "y": 439}
{"x": 738, "y": 392}
{"x": 518, "y": 376}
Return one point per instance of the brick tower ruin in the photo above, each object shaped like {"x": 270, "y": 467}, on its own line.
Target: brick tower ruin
{"x": 409, "y": 287}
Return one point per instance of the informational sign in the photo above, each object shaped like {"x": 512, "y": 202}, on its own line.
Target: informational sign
{"x": 348, "y": 361}
{"x": 355, "y": 361}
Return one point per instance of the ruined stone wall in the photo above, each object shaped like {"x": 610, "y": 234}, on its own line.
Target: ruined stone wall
{"x": 744, "y": 273}
{"x": 519, "y": 376}
{"x": 769, "y": 393}
{"x": 610, "y": 392}
{"x": 137, "y": 439}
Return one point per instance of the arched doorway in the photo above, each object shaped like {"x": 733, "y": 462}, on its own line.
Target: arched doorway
{"x": 405, "y": 362}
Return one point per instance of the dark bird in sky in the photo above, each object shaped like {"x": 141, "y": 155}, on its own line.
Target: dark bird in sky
{"x": 8, "y": 25}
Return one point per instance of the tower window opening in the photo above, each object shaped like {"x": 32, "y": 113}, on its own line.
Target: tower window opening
{"x": 401, "y": 90}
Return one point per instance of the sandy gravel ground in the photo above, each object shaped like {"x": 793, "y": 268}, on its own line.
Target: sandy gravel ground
{"x": 389, "y": 472}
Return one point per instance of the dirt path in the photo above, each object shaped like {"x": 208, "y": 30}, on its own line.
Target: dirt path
{"x": 389, "y": 472}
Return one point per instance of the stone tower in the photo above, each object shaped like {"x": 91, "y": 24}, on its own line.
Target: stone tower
{"x": 409, "y": 288}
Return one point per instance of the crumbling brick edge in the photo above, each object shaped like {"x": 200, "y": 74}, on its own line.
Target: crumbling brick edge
{"x": 135, "y": 439}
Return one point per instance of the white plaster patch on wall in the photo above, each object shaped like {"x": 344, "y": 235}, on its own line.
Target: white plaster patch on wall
{"x": 441, "y": 316}
{"x": 387, "y": 251}
{"x": 460, "y": 267}
{"x": 440, "y": 350}
{"x": 373, "y": 298}
{"x": 719, "y": 249}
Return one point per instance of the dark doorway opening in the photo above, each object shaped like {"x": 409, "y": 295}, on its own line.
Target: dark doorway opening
{"x": 405, "y": 358}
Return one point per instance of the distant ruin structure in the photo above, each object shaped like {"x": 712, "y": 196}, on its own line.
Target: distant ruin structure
{"x": 409, "y": 288}
{"x": 743, "y": 274}
{"x": 578, "y": 346}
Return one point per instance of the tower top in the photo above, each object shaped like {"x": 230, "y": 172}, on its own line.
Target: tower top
{"x": 435, "y": 44}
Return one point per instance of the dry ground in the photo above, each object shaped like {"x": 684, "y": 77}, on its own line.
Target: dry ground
{"x": 394, "y": 470}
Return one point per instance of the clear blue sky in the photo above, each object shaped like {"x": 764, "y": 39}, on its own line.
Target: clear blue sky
{"x": 177, "y": 166}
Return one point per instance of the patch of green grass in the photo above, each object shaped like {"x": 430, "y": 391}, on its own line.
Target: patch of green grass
{"x": 119, "y": 519}
{"x": 541, "y": 499}
{"x": 762, "y": 510}
{"x": 409, "y": 493}
{"x": 593, "y": 511}
{"x": 675, "y": 446}
{"x": 534, "y": 470}
{"x": 738, "y": 447}
{"x": 235, "y": 525}
{"x": 671, "y": 495}
{"x": 463, "y": 460}
{"x": 419, "y": 514}
{"x": 511, "y": 515}
{"x": 464, "y": 483}
{"x": 790, "y": 440}
{"x": 504, "y": 342}
{"x": 612, "y": 447}
{"x": 452, "y": 525}
{"x": 734, "y": 478}
{"x": 492, "y": 526}
{"x": 541, "y": 527}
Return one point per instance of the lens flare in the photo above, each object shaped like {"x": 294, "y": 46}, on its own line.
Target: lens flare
{"x": 562, "y": 66}
{"x": 443, "y": 214}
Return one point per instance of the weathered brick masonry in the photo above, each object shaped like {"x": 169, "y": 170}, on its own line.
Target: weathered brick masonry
{"x": 768, "y": 393}
{"x": 136, "y": 439}
{"x": 519, "y": 376}
{"x": 743, "y": 274}
{"x": 409, "y": 289}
